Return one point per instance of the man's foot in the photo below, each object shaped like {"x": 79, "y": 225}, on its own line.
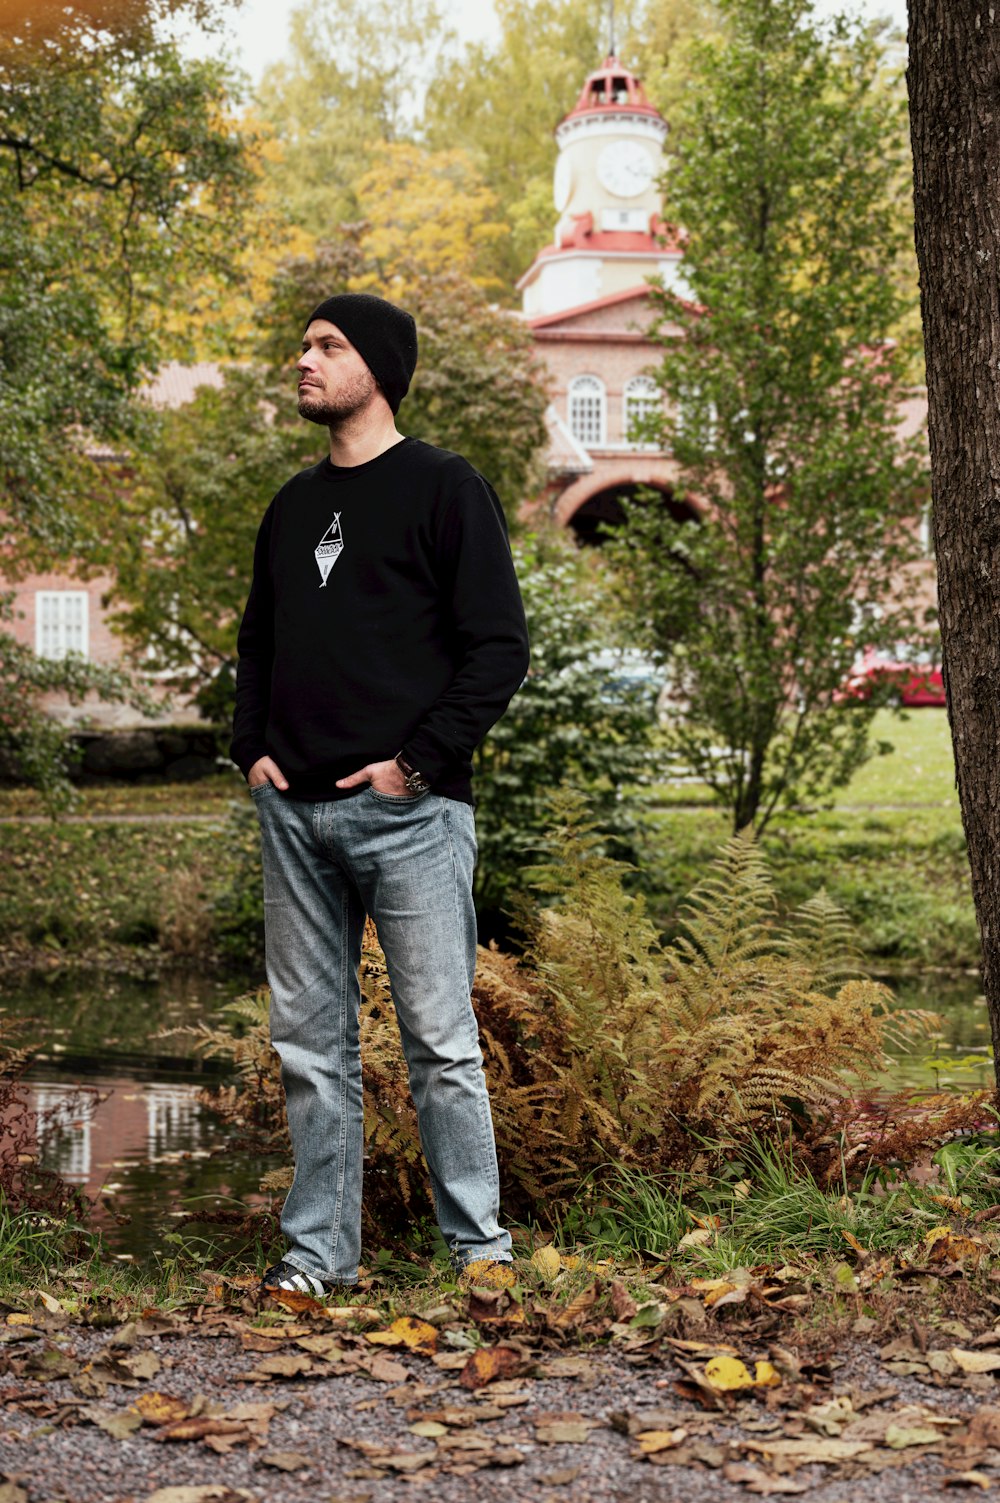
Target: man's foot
{"x": 285, "y": 1276}
{"x": 487, "y": 1273}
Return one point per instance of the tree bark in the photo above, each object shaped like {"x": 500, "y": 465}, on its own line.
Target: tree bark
{"x": 954, "y": 85}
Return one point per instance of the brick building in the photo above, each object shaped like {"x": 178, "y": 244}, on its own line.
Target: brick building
{"x": 586, "y": 298}
{"x": 60, "y": 612}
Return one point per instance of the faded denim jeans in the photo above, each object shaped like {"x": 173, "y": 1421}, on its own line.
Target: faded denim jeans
{"x": 407, "y": 861}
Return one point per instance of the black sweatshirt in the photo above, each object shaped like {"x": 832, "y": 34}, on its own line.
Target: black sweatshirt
{"x": 384, "y": 616}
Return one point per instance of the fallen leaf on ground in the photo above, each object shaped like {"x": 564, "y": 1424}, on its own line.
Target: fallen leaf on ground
{"x": 569, "y": 1314}
{"x": 291, "y": 1299}
{"x": 899, "y": 1436}
{"x": 831, "y": 1417}
{"x": 984, "y": 1429}
{"x": 160, "y": 1408}
{"x": 546, "y": 1261}
{"x": 143, "y": 1365}
{"x": 282, "y": 1365}
{"x": 383, "y": 1369}
{"x": 945, "y": 1246}
{"x": 756, "y": 1480}
{"x": 327, "y": 1347}
{"x": 651, "y": 1441}
{"x": 450, "y": 1361}
{"x": 202, "y": 1428}
{"x": 119, "y": 1423}
{"x": 698, "y": 1238}
{"x": 808, "y": 1450}
{"x": 215, "y": 1494}
{"x": 488, "y": 1364}
{"x": 567, "y": 1367}
{"x": 717, "y": 1348}
{"x": 975, "y": 1362}
{"x": 967, "y": 1479}
{"x": 725, "y": 1373}
{"x": 286, "y": 1461}
{"x": 564, "y": 1432}
{"x": 415, "y": 1335}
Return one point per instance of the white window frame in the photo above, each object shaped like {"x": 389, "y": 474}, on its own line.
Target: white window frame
{"x": 587, "y": 400}
{"x": 640, "y": 395}
{"x": 53, "y": 638}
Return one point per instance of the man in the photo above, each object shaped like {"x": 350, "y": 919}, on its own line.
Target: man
{"x": 382, "y": 638}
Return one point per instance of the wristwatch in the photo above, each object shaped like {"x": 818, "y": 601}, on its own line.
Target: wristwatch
{"x": 415, "y": 781}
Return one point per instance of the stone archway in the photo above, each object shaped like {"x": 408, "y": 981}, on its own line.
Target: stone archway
{"x": 604, "y": 509}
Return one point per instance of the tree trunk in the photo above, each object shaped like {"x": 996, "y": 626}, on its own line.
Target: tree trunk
{"x": 954, "y": 84}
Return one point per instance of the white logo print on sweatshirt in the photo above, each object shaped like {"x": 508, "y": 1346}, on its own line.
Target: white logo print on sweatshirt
{"x": 329, "y": 549}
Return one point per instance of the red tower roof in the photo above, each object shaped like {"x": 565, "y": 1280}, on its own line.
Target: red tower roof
{"x": 612, "y": 87}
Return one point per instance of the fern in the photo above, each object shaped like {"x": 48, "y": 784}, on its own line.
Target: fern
{"x": 600, "y": 1045}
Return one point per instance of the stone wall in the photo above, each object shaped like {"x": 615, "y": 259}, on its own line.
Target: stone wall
{"x": 162, "y": 754}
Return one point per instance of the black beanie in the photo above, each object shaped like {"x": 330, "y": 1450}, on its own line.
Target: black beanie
{"x": 384, "y": 336}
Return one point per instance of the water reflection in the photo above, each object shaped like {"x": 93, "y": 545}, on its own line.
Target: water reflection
{"x": 115, "y": 1089}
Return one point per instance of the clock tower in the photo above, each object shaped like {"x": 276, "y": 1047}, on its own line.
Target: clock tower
{"x": 608, "y": 236}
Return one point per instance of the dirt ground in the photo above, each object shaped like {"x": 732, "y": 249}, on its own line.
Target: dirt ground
{"x": 216, "y": 1408}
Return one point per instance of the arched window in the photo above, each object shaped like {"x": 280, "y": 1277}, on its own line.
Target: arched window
{"x": 587, "y": 408}
{"x": 640, "y": 400}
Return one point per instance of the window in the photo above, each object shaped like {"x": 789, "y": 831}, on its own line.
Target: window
{"x": 640, "y": 401}
{"x": 587, "y": 405}
{"x": 60, "y": 623}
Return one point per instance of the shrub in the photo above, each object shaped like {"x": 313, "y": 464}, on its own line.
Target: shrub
{"x": 567, "y": 724}
{"x": 602, "y": 1047}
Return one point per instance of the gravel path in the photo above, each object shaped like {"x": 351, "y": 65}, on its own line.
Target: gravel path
{"x": 53, "y": 1453}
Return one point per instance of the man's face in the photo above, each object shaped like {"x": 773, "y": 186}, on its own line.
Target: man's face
{"x": 334, "y": 381}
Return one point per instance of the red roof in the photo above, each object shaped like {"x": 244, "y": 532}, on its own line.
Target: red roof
{"x": 612, "y": 87}
{"x": 628, "y": 294}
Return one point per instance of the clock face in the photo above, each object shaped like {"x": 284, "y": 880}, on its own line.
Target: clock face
{"x": 625, "y": 168}
{"x": 562, "y": 185}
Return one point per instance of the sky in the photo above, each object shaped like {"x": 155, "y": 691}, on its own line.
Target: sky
{"x": 257, "y": 32}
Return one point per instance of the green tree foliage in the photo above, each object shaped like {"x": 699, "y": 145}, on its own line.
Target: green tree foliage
{"x": 785, "y": 397}
{"x": 354, "y": 79}
{"x": 183, "y": 536}
{"x": 569, "y": 723}
{"x": 122, "y": 185}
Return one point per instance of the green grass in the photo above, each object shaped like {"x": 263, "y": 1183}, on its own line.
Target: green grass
{"x": 765, "y": 1210}
{"x": 68, "y": 887}
{"x": 920, "y": 769}
{"x": 206, "y": 796}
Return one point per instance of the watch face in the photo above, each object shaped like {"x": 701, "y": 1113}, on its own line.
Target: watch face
{"x": 562, "y": 185}
{"x": 625, "y": 168}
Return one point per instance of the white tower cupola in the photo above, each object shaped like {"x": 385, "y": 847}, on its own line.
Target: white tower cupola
{"x": 608, "y": 236}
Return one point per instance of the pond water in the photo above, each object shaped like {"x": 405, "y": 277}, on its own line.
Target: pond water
{"x": 138, "y": 1143}
{"x": 135, "y": 1139}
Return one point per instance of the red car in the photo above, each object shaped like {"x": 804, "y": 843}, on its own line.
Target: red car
{"x": 914, "y": 676}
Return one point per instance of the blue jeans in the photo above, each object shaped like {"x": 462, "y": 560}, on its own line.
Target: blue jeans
{"x": 408, "y": 862}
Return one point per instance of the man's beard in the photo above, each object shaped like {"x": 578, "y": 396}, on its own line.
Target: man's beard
{"x": 318, "y": 406}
